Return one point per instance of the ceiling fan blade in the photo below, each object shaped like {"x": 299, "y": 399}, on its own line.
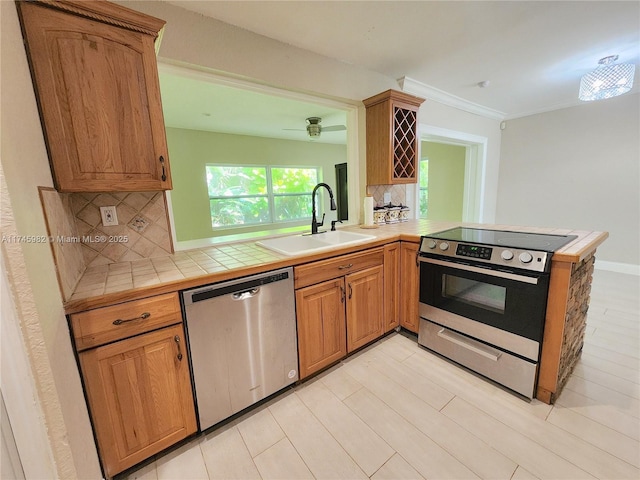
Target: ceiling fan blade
{"x": 295, "y": 129}
{"x": 334, "y": 128}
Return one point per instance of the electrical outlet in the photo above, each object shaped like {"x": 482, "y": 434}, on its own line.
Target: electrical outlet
{"x": 109, "y": 216}
{"x": 387, "y": 198}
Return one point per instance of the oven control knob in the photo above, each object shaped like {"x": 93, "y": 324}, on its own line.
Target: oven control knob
{"x": 444, "y": 246}
{"x": 525, "y": 257}
{"x": 506, "y": 255}
{"x": 432, "y": 244}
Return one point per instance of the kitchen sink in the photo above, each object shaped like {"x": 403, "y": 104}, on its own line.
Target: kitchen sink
{"x": 307, "y": 243}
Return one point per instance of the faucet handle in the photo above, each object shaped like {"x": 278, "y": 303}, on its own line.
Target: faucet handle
{"x": 333, "y": 224}
{"x": 321, "y": 222}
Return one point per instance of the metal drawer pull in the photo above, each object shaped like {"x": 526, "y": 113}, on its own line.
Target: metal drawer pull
{"x": 343, "y": 267}
{"x": 144, "y": 316}
{"x": 465, "y": 343}
{"x": 177, "y": 340}
{"x": 164, "y": 175}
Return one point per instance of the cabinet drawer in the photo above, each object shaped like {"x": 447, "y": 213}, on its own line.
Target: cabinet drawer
{"x": 107, "y": 324}
{"x": 317, "y": 272}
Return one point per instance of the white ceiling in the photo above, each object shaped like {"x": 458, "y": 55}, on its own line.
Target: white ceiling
{"x": 190, "y": 100}
{"x": 533, "y": 53}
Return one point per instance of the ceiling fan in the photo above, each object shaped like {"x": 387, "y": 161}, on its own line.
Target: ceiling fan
{"x": 314, "y": 128}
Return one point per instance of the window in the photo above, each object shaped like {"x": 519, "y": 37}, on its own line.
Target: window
{"x": 255, "y": 194}
{"x": 424, "y": 187}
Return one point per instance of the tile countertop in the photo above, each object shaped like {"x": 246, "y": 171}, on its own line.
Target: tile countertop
{"x": 118, "y": 282}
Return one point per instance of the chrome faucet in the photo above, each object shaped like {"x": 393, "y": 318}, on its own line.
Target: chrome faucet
{"x": 314, "y": 222}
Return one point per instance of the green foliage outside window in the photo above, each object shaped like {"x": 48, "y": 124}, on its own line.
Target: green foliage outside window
{"x": 250, "y": 195}
{"x": 424, "y": 187}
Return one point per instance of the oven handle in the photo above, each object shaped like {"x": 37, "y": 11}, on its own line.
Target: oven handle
{"x": 463, "y": 342}
{"x": 485, "y": 271}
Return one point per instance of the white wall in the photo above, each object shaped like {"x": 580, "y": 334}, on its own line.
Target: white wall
{"x": 193, "y": 40}
{"x": 577, "y": 168}
{"x": 30, "y": 268}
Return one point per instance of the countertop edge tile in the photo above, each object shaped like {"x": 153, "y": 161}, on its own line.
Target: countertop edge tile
{"x": 247, "y": 259}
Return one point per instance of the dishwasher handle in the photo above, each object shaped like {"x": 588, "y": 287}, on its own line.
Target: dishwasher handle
{"x": 245, "y": 294}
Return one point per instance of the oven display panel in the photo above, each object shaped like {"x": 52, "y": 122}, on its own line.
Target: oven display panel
{"x": 474, "y": 251}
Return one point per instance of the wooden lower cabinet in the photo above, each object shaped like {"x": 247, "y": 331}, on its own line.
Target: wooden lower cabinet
{"x": 322, "y": 337}
{"x": 365, "y": 307}
{"x": 139, "y": 394}
{"x": 391, "y": 318}
{"x": 409, "y": 286}
{"x": 338, "y": 316}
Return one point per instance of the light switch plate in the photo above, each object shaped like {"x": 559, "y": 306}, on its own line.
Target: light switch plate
{"x": 387, "y": 198}
{"x": 109, "y": 216}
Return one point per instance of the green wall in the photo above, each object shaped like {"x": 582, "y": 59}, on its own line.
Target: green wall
{"x": 191, "y": 150}
{"x": 446, "y": 180}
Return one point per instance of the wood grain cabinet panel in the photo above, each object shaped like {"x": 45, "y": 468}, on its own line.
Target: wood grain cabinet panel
{"x": 316, "y": 272}
{"x": 391, "y": 318}
{"x": 364, "y": 307}
{"x": 392, "y": 138}
{"x": 409, "y": 286}
{"x": 107, "y": 324}
{"x": 321, "y": 325}
{"x": 139, "y": 395}
{"x": 342, "y": 313}
{"x": 96, "y": 81}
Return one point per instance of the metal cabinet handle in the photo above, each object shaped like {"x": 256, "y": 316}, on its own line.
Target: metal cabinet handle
{"x": 144, "y": 316}
{"x": 341, "y": 294}
{"x": 177, "y": 340}
{"x": 475, "y": 347}
{"x": 164, "y": 175}
{"x": 350, "y": 291}
{"x": 344, "y": 267}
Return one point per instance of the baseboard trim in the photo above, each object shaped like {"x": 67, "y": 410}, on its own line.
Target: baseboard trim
{"x": 618, "y": 267}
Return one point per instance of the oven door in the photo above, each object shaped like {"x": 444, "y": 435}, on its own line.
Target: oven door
{"x": 508, "y": 301}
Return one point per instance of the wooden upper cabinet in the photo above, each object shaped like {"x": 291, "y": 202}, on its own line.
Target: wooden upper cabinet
{"x": 95, "y": 74}
{"x": 392, "y": 138}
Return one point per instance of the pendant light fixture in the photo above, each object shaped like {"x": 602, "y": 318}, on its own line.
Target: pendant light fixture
{"x": 608, "y": 80}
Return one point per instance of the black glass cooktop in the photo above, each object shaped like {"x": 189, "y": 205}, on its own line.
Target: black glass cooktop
{"x": 503, "y": 238}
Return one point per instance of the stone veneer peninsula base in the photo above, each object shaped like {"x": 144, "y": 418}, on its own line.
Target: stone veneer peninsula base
{"x": 565, "y": 324}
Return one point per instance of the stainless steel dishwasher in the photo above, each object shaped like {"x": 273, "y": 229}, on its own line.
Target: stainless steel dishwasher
{"x": 243, "y": 342}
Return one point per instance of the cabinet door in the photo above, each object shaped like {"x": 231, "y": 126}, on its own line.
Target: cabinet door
{"x": 140, "y": 397}
{"x": 409, "y": 286}
{"x": 391, "y": 286}
{"x": 321, "y": 325}
{"x": 404, "y": 143}
{"x": 364, "y": 307}
{"x": 99, "y": 98}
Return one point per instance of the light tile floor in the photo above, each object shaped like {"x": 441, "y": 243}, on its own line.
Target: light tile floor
{"x": 396, "y": 411}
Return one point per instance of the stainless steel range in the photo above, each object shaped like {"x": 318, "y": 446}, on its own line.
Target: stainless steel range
{"x": 483, "y": 297}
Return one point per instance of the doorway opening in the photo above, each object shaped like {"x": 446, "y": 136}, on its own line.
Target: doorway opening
{"x": 457, "y": 176}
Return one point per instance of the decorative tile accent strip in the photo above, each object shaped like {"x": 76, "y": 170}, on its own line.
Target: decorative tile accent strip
{"x": 575, "y": 319}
